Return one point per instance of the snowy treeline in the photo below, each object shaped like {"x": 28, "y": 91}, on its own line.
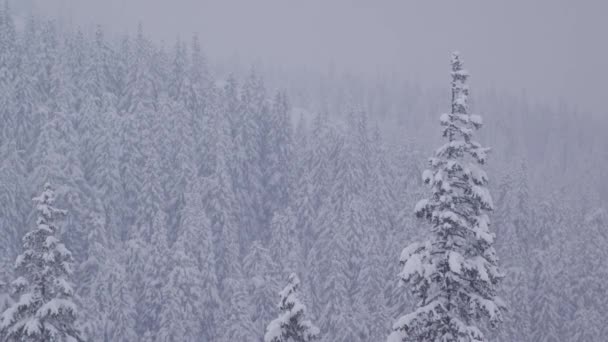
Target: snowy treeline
{"x": 192, "y": 195}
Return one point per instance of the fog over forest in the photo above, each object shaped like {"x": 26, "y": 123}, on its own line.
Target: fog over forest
{"x": 284, "y": 171}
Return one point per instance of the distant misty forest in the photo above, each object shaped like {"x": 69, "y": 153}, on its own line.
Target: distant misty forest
{"x": 194, "y": 189}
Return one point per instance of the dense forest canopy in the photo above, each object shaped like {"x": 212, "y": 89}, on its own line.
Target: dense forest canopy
{"x": 193, "y": 192}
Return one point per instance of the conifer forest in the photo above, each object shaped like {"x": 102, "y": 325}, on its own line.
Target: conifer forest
{"x": 152, "y": 192}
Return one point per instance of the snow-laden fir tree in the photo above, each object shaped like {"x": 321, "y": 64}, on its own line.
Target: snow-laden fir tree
{"x": 5, "y": 300}
{"x": 454, "y": 274}
{"x": 259, "y": 272}
{"x": 285, "y": 247}
{"x": 45, "y": 310}
{"x": 291, "y": 325}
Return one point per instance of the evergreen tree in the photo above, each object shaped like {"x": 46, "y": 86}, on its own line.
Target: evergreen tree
{"x": 12, "y": 217}
{"x": 199, "y": 80}
{"x": 220, "y": 199}
{"x": 455, "y": 273}
{"x": 284, "y": 242}
{"x": 368, "y": 294}
{"x": 56, "y": 160}
{"x": 586, "y": 325}
{"x": 8, "y": 45}
{"x": 327, "y": 243}
{"x": 98, "y": 81}
{"x": 141, "y": 91}
{"x": 22, "y": 103}
{"x": 291, "y": 325}
{"x": 512, "y": 222}
{"x": 156, "y": 268}
{"x": 198, "y": 104}
{"x": 150, "y": 197}
{"x": 260, "y": 275}
{"x": 147, "y": 269}
{"x": 108, "y": 302}
{"x": 304, "y": 210}
{"x": 222, "y": 206}
{"x": 238, "y": 325}
{"x": 105, "y": 176}
{"x": 339, "y": 246}
{"x": 211, "y": 304}
{"x": 191, "y": 301}
{"x": 5, "y": 301}
{"x": 544, "y": 315}
{"x": 177, "y": 76}
{"x": 181, "y": 308}
{"x": 278, "y": 157}
{"x": 46, "y": 61}
{"x": 130, "y": 156}
{"x": 332, "y": 292}
{"x": 250, "y": 139}
{"x": 45, "y": 310}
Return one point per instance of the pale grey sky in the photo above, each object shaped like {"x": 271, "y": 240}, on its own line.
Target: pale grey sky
{"x": 554, "y": 49}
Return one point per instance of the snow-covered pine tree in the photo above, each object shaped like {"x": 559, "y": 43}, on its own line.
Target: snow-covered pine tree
{"x": 180, "y": 311}
{"x": 260, "y": 276}
{"x": 454, "y": 274}
{"x": 199, "y": 79}
{"x": 198, "y": 103}
{"x": 284, "y": 245}
{"x": 46, "y": 50}
{"x": 277, "y": 164}
{"x": 108, "y": 305}
{"x": 178, "y": 74}
{"x": 220, "y": 200}
{"x": 8, "y": 45}
{"x": 544, "y": 316}
{"x": 249, "y": 142}
{"x": 45, "y": 310}
{"x": 22, "y": 102}
{"x": 98, "y": 79}
{"x": 12, "y": 171}
{"x": 211, "y": 311}
{"x": 5, "y": 300}
{"x": 155, "y": 270}
{"x": 512, "y": 221}
{"x": 191, "y": 304}
{"x": 368, "y": 297}
{"x": 106, "y": 176}
{"x": 291, "y": 325}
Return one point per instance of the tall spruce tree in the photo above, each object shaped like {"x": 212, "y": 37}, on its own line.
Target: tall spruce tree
{"x": 211, "y": 311}
{"x": 285, "y": 246}
{"x": 454, "y": 274}
{"x": 45, "y": 310}
{"x": 291, "y": 325}
{"x": 259, "y": 272}
{"x": 5, "y": 301}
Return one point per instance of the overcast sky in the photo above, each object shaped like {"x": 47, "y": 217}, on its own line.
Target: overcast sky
{"x": 554, "y": 49}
